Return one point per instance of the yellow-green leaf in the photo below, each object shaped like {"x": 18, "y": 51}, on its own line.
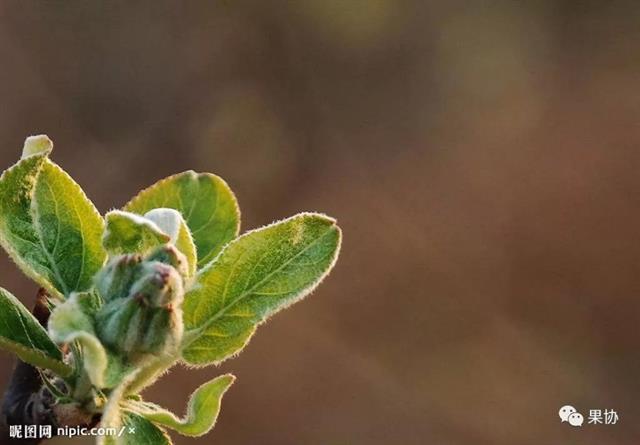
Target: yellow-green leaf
{"x": 255, "y": 276}
{"x": 48, "y": 226}
{"x": 206, "y": 203}
{"x": 202, "y": 410}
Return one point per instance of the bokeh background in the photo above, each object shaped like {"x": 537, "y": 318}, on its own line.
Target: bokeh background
{"x": 482, "y": 158}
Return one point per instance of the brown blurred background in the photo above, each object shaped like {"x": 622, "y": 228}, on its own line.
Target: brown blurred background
{"x": 481, "y": 157}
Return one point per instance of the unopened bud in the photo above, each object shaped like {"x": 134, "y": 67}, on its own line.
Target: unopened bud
{"x": 143, "y": 313}
{"x": 169, "y": 254}
{"x": 116, "y": 278}
{"x": 158, "y": 284}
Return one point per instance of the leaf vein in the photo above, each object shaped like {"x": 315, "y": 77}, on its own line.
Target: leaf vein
{"x": 207, "y": 324}
{"x": 52, "y": 264}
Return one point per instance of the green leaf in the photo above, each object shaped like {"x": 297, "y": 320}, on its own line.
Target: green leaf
{"x": 48, "y": 226}
{"x": 130, "y": 233}
{"x": 140, "y": 431}
{"x": 69, "y": 323}
{"x": 172, "y": 223}
{"x": 21, "y": 334}
{"x": 207, "y": 204}
{"x": 255, "y": 276}
{"x": 202, "y": 410}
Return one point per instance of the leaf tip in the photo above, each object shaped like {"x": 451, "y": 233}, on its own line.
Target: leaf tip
{"x": 36, "y": 145}
{"x": 228, "y": 379}
{"x": 318, "y": 216}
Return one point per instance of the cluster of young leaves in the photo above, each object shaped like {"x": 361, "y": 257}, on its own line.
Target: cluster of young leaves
{"x": 57, "y": 237}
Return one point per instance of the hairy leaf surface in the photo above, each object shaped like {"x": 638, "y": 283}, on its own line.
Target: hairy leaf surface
{"x": 255, "y": 276}
{"x": 206, "y": 203}
{"x": 202, "y": 410}
{"x": 48, "y": 226}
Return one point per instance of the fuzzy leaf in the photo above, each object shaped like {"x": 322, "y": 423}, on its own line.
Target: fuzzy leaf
{"x": 69, "y": 323}
{"x": 23, "y": 335}
{"x": 48, "y": 226}
{"x": 173, "y": 224}
{"x": 258, "y": 274}
{"x": 130, "y": 233}
{"x": 202, "y": 410}
{"x": 207, "y": 204}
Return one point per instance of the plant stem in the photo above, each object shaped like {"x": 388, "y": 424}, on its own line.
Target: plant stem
{"x": 150, "y": 373}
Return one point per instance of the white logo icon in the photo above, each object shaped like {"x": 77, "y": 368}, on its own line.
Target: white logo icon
{"x": 596, "y": 416}
{"x": 566, "y": 411}
{"x": 576, "y": 419}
